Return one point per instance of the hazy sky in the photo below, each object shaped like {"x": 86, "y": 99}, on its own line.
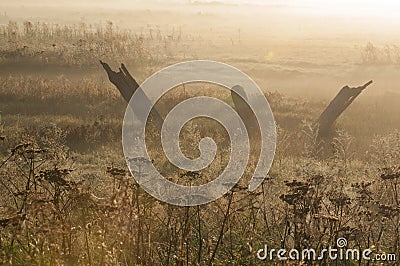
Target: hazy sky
{"x": 384, "y": 13}
{"x": 371, "y": 7}
{"x": 368, "y": 7}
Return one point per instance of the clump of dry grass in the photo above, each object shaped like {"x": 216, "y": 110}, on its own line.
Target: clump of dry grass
{"x": 75, "y": 45}
{"x": 385, "y": 55}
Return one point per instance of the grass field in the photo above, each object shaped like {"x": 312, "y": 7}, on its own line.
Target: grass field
{"x": 69, "y": 199}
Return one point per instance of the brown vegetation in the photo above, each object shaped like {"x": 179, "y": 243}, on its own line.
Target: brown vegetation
{"x": 68, "y": 198}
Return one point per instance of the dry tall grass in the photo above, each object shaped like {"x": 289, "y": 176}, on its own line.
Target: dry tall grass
{"x": 67, "y": 196}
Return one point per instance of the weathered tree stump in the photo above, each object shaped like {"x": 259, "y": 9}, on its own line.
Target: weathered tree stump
{"x": 127, "y": 86}
{"x": 246, "y": 114}
{"x": 336, "y": 107}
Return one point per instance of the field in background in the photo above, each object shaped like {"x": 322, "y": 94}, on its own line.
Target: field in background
{"x": 67, "y": 195}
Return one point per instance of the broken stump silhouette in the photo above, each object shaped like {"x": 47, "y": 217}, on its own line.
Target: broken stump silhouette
{"x": 336, "y": 107}
{"x": 127, "y": 86}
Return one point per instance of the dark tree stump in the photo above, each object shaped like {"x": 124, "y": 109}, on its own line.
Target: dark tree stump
{"x": 246, "y": 114}
{"x": 127, "y": 86}
{"x": 336, "y": 107}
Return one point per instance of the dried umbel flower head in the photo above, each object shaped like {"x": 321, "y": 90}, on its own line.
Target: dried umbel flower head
{"x": 363, "y": 191}
{"x": 14, "y": 220}
{"x": 390, "y": 173}
{"x": 20, "y": 148}
{"x": 55, "y": 176}
{"x": 115, "y": 171}
{"x": 138, "y": 160}
{"x": 298, "y": 190}
{"x": 291, "y": 198}
{"x": 339, "y": 199}
{"x": 192, "y": 175}
{"x": 31, "y": 153}
{"x": 388, "y": 211}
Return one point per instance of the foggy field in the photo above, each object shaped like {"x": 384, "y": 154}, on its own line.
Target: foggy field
{"x": 68, "y": 197}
